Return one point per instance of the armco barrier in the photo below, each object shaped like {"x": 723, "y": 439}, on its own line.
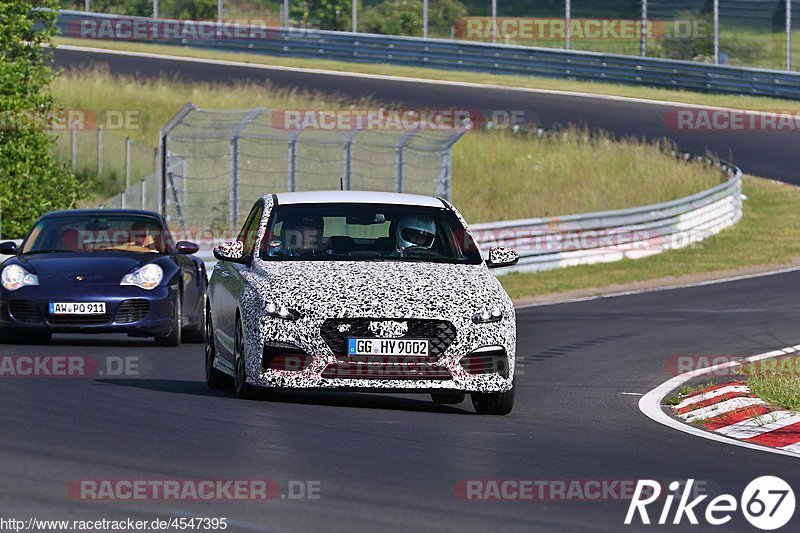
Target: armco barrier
{"x": 555, "y": 242}
{"x": 455, "y": 55}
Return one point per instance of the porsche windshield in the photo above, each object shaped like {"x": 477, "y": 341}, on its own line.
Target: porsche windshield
{"x": 92, "y": 233}
{"x": 367, "y": 232}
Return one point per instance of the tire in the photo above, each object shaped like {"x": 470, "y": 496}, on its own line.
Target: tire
{"x": 174, "y": 337}
{"x": 243, "y": 390}
{"x": 214, "y": 378}
{"x": 493, "y": 403}
{"x": 448, "y": 398}
{"x": 197, "y": 335}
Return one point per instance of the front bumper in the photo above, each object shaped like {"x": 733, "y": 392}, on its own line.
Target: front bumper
{"x": 130, "y": 310}
{"x": 321, "y": 368}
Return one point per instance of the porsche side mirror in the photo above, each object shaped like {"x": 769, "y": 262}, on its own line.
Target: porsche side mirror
{"x": 8, "y": 248}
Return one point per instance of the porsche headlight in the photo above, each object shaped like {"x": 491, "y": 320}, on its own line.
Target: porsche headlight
{"x": 147, "y": 277}
{"x": 281, "y": 311}
{"x": 14, "y": 277}
{"x": 487, "y": 315}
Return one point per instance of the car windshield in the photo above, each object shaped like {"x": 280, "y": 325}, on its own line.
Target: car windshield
{"x": 367, "y": 232}
{"x": 97, "y": 232}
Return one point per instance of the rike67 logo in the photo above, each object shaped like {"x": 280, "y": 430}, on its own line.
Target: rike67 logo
{"x": 767, "y": 503}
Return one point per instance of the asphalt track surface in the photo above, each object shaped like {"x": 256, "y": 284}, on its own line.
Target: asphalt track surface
{"x": 391, "y": 461}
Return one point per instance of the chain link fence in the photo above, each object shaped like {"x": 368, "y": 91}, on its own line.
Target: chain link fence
{"x": 120, "y": 164}
{"x": 215, "y": 164}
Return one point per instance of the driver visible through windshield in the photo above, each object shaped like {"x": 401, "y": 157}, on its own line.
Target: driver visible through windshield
{"x": 119, "y": 233}
{"x": 377, "y": 232}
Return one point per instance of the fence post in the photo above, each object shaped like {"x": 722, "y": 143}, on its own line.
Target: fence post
{"x": 788, "y": 34}
{"x": 347, "y": 179}
{"x": 355, "y": 16}
{"x": 155, "y": 9}
{"x": 99, "y": 151}
{"x": 443, "y": 188}
{"x": 74, "y": 146}
{"x": 292, "y": 178}
{"x": 86, "y": 5}
{"x": 122, "y": 199}
{"x": 716, "y": 32}
{"x": 644, "y": 29}
{"x": 144, "y": 194}
{"x": 424, "y": 19}
{"x": 162, "y": 152}
{"x": 494, "y": 21}
{"x": 127, "y": 163}
{"x": 399, "y": 163}
{"x": 286, "y": 14}
{"x": 233, "y": 188}
{"x": 567, "y": 20}
{"x": 219, "y": 11}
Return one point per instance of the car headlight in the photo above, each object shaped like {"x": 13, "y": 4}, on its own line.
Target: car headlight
{"x": 281, "y": 311}
{"x": 14, "y": 277}
{"x": 147, "y": 277}
{"x": 487, "y": 315}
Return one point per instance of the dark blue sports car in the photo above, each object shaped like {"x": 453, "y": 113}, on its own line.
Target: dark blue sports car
{"x": 102, "y": 271}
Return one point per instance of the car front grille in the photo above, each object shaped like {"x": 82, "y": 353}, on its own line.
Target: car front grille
{"x": 336, "y": 331}
{"x": 132, "y": 311}
{"x": 79, "y": 320}
{"x": 346, "y": 370}
{"x": 25, "y": 311}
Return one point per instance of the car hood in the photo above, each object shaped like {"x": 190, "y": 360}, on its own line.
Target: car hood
{"x": 95, "y": 267}
{"x": 378, "y": 288}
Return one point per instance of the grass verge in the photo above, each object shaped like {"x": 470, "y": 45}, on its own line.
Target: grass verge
{"x": 767, "y": 235}
{"x": 733, "y": 101}
{"x": 776, "y": 381}
{"x": 497, "y": 175}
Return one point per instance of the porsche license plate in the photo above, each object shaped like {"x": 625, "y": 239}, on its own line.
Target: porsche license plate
{"x": 77, "y": 308}
{"x": 393, "y": 347}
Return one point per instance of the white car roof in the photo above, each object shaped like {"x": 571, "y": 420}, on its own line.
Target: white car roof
{"x": 357, "y": 197}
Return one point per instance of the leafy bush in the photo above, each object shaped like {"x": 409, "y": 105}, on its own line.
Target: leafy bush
{"x": 31, "y": 180}
{"x": 332, "y": 15}
{"x": 404, "y": 17}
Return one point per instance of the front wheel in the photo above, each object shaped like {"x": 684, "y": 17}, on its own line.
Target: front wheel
{"x": 214, "y": 378}
{"x": 243, "y": 390}
{"x": 493, "y": 403}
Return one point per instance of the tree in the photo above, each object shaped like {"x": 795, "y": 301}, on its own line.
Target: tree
{"x": 31, "y": 180}
{"x": 404, "y": 17}
{"x": 334, "y": 15}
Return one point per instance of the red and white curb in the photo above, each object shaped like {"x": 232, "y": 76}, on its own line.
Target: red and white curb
{"x": 729, "y": 412}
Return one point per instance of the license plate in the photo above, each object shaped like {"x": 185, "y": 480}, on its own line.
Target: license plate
{"x": 77, "y": 308}
{"x": 396, "y": 347}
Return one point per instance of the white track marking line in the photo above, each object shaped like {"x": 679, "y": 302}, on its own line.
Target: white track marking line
{"x": 650, "y": 403}
{"x": 793, "y": 448}
{"x": 721, "y": 408}
{"x": 760, "y": 424}
{"x": 665, "y": 288}
{"x": 731, "y": 389}
{"x": 406, "y": 79}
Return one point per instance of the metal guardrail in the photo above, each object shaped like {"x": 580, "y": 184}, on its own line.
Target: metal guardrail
{"x": 600, "y": 237}
{"x": 459, "y": 55}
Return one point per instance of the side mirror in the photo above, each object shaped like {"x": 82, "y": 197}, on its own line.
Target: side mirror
{"x": 186, "y": 247}
{"x": 232, "y": 251}
{"x": 500, "y": 256}
{"x": 8, "y": 248}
